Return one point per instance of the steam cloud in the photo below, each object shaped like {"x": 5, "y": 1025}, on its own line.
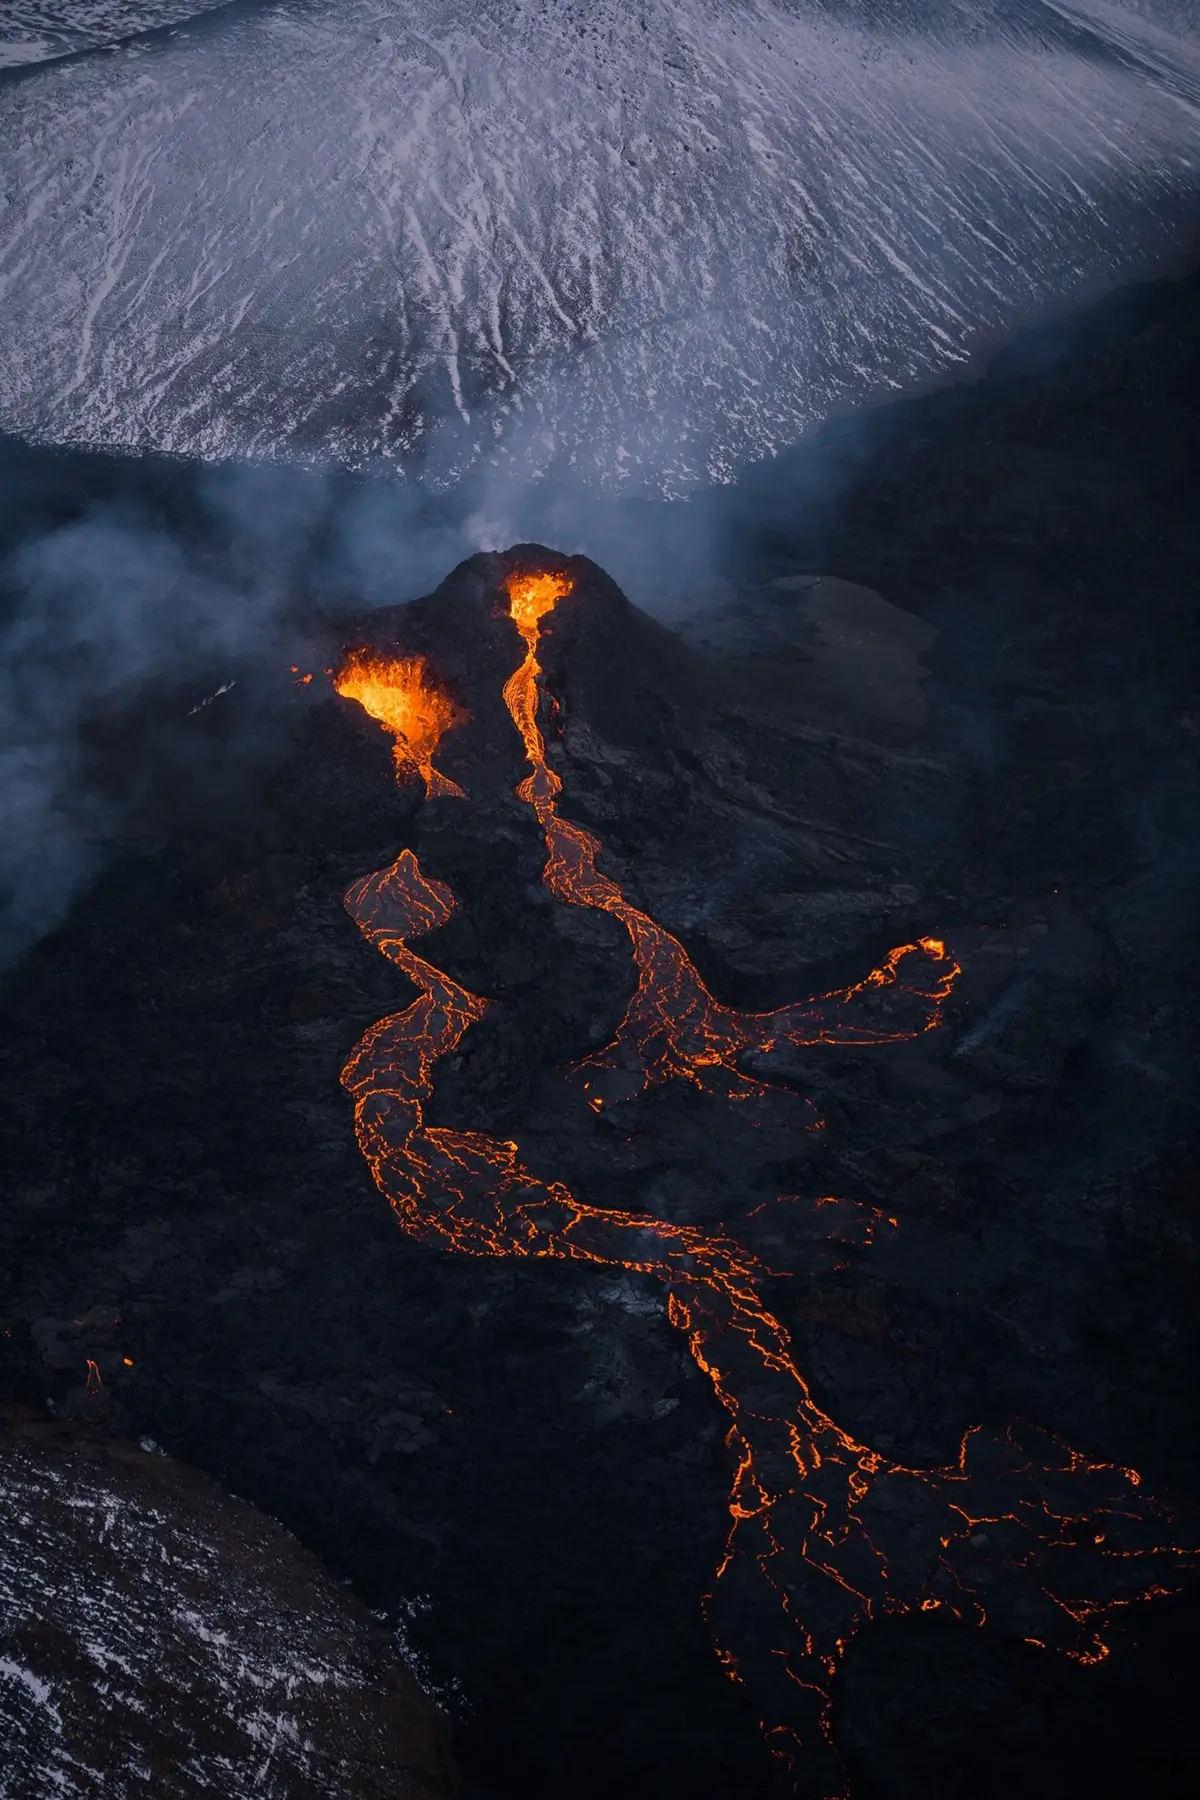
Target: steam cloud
{"x": 170, "y": 576}
{"x": 173, "y": 580}
{"x": 109, "y": 605}
{"x": 119, "y": 579}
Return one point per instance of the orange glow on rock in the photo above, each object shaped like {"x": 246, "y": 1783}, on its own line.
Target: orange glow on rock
{"x": 403, "y": 694}
{"x": 826, "y": 1533}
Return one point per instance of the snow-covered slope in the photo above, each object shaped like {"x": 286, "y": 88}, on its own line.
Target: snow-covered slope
{"x": 161, "y": 1638}
{"x": 647, "y": 237}
{"x": 38, "y": 30}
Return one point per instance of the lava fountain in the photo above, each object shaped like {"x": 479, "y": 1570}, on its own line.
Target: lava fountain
{"x": 826, "y": 1533}
{"x": 410, "y": 704}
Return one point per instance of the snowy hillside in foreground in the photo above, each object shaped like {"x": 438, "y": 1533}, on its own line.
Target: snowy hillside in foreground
{"x": 648, "y": 237}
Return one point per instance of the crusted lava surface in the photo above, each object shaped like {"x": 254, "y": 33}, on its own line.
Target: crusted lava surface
{"x": 519, "y": 1456}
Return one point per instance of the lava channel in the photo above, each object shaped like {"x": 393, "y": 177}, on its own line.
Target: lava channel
{"x": 825, "y": 1532}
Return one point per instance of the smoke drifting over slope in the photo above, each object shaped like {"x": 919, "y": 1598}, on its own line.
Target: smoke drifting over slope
{"x": 528, "y": 271}
{"x": 128, "y": 594}
{"x": 118, "y": 609}
{"x": 132, "y": 589}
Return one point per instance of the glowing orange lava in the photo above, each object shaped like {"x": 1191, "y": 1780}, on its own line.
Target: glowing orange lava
{"x": 531, "y": 597}
{"x": 825, "y": 1532}
{"x": 402, "y": 694}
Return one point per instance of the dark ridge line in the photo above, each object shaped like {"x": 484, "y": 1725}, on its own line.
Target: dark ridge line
{"x": 1078, "y": 36}
{"x": 223, "y": 12}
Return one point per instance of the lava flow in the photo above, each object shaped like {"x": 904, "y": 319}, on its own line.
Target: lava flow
{"x": 673, "y": 1026}
{"x": 826, "y": 1533}
{"x": 410, "y": 704}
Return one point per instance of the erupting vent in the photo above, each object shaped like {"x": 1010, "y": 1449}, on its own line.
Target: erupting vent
{"x": 406, "y": 699}
{"x": 531, "y": 597}
{"x": 826, "y": 1533}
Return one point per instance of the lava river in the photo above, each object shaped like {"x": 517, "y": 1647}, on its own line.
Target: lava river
{"x": 825, "y": 1533}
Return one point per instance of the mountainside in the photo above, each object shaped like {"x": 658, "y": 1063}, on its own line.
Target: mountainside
{"x": 34, "y": 31}
{"x": 159, "y": 1637}
{"x": 643, "y": 242}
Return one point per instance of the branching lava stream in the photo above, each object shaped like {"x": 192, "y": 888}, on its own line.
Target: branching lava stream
{"x": 825, "y": 1532}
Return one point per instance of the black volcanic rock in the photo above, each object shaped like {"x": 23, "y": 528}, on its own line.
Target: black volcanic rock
{"x": 157, "y": 1636}
{"x": 521, "y": 1460}
{"x": 728, "y": 803}
{"x": 627, "y": 678}
{"x": 623, "y": 674}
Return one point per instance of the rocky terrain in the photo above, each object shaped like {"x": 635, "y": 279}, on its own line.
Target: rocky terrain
{"x": 159, "y": 1637}
{"x": 979, "y": 723}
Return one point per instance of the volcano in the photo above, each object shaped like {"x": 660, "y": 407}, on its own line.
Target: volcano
{"x": 827, "y": 1533}
{"x": 656, "y": 1152}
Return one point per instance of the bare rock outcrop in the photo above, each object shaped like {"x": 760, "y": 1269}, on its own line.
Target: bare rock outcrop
{"x": 158, "y": 1637}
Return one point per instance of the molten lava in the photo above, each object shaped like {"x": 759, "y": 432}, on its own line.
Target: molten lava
{"x": 825, "y": 1532}
{"x": 531, "y": 597}
{"x": 409, "y": 703}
